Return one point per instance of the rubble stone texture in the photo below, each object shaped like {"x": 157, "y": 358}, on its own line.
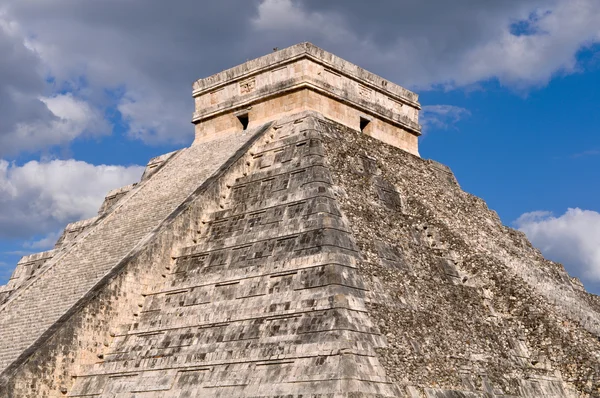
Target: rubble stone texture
{"x": 309, "y": 255}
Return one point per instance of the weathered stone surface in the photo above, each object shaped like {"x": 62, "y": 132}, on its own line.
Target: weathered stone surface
{"x": 299, "y": 258}
{"x": 465, "y": 302}
{"x": 155, "y": 164}
{"x": 113, "y": 197}
{"x": 76, "y": 229}
{"x": 305, "y": 77}
{"x": 70, "y": 275}
{"x": 268, "y": 302}
{"x": 28, "y": 267}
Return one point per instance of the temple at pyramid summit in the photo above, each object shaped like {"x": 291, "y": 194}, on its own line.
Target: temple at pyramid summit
{"x": 300, "y": 247}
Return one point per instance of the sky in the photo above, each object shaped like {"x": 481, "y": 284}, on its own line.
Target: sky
{"x": 91, "y": 90}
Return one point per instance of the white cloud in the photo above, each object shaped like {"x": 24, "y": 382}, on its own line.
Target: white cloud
{"x": 572, "y": 239}
{"x": 441, "y": 116}
{"x": 41, "y": 197}
{"x": 560, "y": 31}
{"x": 284, "y": 15}
{"x": 153, "y": 121}
{"x": 45, "y": 243}
{"x": 18, "y": 252}
{"x": 281, "y": 14}
{"x": 72, "y": 118}
{"x": 462, "y": 43}
{"x": 31, "y": 119}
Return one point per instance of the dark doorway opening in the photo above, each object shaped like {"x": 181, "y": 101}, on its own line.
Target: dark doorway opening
{"x": 364, "y": 123}
{"x": 244, "y": 120}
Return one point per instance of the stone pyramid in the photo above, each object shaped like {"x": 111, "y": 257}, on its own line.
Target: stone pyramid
{"x": 299, "y": 248}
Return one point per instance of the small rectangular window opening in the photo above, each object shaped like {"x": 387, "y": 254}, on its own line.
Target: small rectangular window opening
{"x": 244, "y": 120}
{"x": 364, "y": 122}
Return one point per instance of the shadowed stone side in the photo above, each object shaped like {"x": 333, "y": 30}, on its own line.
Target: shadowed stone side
{"x": 467, "y": 305}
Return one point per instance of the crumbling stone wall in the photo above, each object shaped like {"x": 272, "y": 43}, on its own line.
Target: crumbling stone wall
{"x": 300, "y": 78}
{"x": 465, "y": 302}
{"x": 266, "y": 301}
{"x": 28, "y": 268}
{"x": 66, "y": 316}
{"x": 321, "y": 262}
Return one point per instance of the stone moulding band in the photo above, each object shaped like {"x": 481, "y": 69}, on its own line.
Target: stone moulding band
{"x": 304, "y": 77}
{"x": 297, "y": 87}
{"x": 332, "y": 68}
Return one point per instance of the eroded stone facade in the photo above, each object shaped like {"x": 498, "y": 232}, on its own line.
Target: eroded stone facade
{"x": 301, "y": 257}
{"x": 304, "y": 77}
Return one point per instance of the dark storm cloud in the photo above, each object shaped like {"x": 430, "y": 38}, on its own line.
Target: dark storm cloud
{"x": 440, "y": 31}
{"x": 463, "y": 22}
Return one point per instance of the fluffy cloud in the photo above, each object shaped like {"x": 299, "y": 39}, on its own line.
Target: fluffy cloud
{"x": 572, "y": 239}
{"x": 40, "y": 198}
{"x": 31, "y": 120}
{"x": 139, "y": 56}
{"x": 70, "y": 118}
{"x": 441, "y": 116}
{"x": 45, "y": 243}
{"x": 295, "y": 19}
{"x": 458, "y": 43}
{"x": 146, "y": 53}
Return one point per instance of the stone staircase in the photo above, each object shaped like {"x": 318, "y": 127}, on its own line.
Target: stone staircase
{"x": 267, "y": 303}
{"x": 72, "y": 273}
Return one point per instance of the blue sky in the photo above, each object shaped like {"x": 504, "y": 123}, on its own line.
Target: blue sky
{"x": 90, "y": 91}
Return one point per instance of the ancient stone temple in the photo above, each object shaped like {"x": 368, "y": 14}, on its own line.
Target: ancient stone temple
{"x": 300, "y": 247}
